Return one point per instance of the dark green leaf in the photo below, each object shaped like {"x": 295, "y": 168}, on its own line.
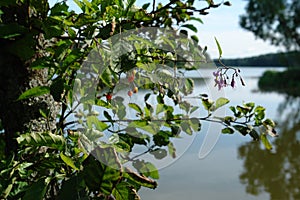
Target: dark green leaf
{"x": 227, "y": 130}
{"x": 254, "y": 135}
{"x": 11, "y": 30}
{"x": 196, "y": 19}
{"x": 73, "y": 188}
{"x": 36, "y": 190}
{"x": 57, "y": 89}
{"x": 145, "y": 6}
{"x": 101, "y": 170}
{"x": 124, "y": 191}
{"x": 159, "y": 154}
{"x": 191, "y": 27}
{"x": 147, "y": 97}
{"x": 195, "y": 38}
{"x": 242, "y": 129}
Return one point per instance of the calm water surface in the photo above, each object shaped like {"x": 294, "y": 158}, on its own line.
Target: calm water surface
{"x": 237, "y": 168}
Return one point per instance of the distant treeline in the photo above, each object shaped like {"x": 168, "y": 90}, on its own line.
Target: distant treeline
{"x": 289, "y": 59}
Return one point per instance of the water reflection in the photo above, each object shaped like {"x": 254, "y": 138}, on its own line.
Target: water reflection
{"x": 276, "y": 172}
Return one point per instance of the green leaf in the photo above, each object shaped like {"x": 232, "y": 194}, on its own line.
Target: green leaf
{"x": 36, "y": 190}
{"x": 196, "y": 19}
{"x": 244, "y": 110}
{"x": 129, "y": 6}
{"x": 191, "y": 27}
{"x": 221, "y": 102}
{"x": 101, "y": 170}
{"x": 259, "y": 112}
{"x": 73, "y": 188}
{"x": 159, "y": 108}
{"x": 146, "y": 97}
{"x": 242, "y": 129}
{"x": 219, "y": 47}
{"x": 186, "y": 127}
{"x": 162, "y": 138}
{"x": 145, "y": 6}
{"x": 139, "y": 179}
{"x": 159, "y": 153}
{"x": 254, "y": 135}
{"x": 42, "y": 139}
{"x": 227, "y": 130}
{"x": 188, "y": 86}
{"x": 34, "y": 92}
{"x": 68, "y": 161}
{"x": 136, "y": 108}
{"x": 195, "y": 38}
{"x": 99, "y": 125}
{"x": 57, "y": 89}
{"x": 152, "y": 170}
{"x": 207, "y": 103}
{"x": 265, "y": 141}
{"x": 124, "y": 191}
{"x": 195, "y": 124}
{"x": 11, "y": 30}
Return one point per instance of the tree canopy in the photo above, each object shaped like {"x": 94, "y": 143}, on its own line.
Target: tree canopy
{"x": 277, "y": 22}
{"x": 71, "y": 129}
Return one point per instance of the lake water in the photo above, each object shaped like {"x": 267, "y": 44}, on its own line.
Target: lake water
{"x": 236, "y": 167}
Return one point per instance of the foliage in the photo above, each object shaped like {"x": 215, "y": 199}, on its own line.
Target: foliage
{"x": 92, "y": 156}
{"x": 277, "y": 22}
{"x": 287, "y": 59}
{"x": 285, "y": 82}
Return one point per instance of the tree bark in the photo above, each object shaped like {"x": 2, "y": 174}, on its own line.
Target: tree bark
{"x": 23, "y": 116}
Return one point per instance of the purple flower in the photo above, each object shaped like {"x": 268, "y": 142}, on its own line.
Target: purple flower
{"x": 219, "y": 81}
{"x": 217, "y": 73}
{"x": 232, "y": 82}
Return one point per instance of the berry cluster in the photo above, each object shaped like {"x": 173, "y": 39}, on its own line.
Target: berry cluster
{"x": 130, "y": 78}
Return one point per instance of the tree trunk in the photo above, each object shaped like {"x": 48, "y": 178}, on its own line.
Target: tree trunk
{"x": 22, "y": 116}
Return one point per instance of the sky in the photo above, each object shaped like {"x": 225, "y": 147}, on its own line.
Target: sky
{"x": 223, "y": 23}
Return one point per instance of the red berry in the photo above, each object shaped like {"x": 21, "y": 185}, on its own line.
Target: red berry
{"x": 129, "y": 93}
{"x": 108, "y": 96}
{"x": 135, "y": 89}
{"x": 130, "y": 78}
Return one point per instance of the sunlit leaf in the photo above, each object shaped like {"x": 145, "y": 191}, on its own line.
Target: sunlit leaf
{"x": 135, "y": 107}
{"x": 34, "y": 92}
{"x": 68, "y": 161}
{"x": 207, "y": 103}
{"x": 219, "y": 48}
{"x": 42, "y": 139}
{"x": 265, "y": 141}
{"x": 221, "y": 102}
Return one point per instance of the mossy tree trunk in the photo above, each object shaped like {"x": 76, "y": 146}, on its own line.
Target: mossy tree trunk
{"x": 16, "y": 76}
